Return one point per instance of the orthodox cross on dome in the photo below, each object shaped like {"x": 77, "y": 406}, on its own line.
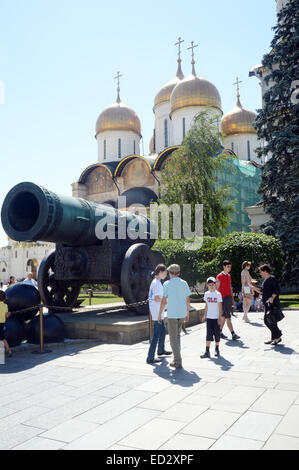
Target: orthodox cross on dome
{"x": 180, "y": 41}
{"x": 193, "y": 61}
{"x": 238, "y": 90}
{"x": 179, "y": 73}
{"x": 118, "y": 89}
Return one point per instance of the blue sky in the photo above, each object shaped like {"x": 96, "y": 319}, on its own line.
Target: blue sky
{"x": 58, "y": 59}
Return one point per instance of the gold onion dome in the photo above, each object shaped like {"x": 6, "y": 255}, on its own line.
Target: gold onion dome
{"x": 194, "y": 91}
{"x": 118, "y": 117}
{"x": 238, "y": 121}
{"x": 166, "y": 90}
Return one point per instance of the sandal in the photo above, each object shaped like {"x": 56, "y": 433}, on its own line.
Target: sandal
{"x": 9, "y": 354}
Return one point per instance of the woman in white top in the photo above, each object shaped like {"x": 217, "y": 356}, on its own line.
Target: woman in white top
{"x": 246, "y": 280}
{"x": 159, "y": 330}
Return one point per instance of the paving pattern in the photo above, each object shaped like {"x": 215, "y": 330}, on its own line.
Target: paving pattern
{"x": 103, "y": 396}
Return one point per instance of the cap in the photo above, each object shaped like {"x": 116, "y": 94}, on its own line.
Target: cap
{"x": 174, "y": 268}
{"x": 211, "y": 279}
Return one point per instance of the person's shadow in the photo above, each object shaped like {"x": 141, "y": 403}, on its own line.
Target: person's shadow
{"x": 236, "y": 344}
{"x": 224, "y": 363}
{"x": 181, "y": 377}
{"x": 280, "y": 348}
{"x": 252, "y": 323}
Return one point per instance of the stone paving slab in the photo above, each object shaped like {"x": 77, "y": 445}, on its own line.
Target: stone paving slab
{"x": 153, "y": 434}
{"x": 253, "y": 425}
{"x": 104, "y": 396}
{"x": 236, "y": 443}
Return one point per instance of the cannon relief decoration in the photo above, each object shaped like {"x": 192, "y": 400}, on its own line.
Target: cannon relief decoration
{"x": 95, "y": 243}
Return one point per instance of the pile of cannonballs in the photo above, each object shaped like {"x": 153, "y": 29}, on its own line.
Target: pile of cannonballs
{"x": 26, "y": 325}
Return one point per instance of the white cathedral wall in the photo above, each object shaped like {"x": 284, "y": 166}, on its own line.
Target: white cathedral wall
{"x": 239, "y": 144}
{"x": 127, "y": 139}
{"x": 188, "y": 114}
{"x": 162, "y": 112}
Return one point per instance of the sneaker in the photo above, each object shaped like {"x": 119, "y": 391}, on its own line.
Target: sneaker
{"x": 177, "y": 366}
{"x": 205, "y": 355}
{"x": 165, "y": 353}
{"x": 153, "y": 361}
{"x": 235, "y": 337}
{"x": 217, "y": 352}
{"x": 223, "y": 336}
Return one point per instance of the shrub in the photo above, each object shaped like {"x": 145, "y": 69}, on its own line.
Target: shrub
{"x": 197, "y": 265}
{"x": 255, "y": 247}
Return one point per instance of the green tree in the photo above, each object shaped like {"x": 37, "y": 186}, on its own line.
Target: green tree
{"x": 197, "y": 265}
{"x": 189, "y": 176}
{"x": 278, "y": 127}
{"x": 255, "y": 247}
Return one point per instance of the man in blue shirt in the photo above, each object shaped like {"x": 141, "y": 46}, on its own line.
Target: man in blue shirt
{"x": 176, "y": 292}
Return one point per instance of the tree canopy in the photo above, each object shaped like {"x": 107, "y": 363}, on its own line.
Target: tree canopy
{"x": 277, "y": 125}
{"x": 189, "y": 176}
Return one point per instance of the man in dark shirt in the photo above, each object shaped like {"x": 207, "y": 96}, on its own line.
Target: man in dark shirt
{"x": 270, "y": 291}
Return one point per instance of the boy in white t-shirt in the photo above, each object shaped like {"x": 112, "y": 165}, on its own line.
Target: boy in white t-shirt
{"x": 212, "y": 316}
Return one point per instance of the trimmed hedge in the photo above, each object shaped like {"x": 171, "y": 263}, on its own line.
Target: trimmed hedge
{"x": 197, "y": 265}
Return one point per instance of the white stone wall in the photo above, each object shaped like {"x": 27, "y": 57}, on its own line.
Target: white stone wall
{"x": 240, "y": 146}
{"x": 162, "y": 112}
{"x": 16, "y": 257}
{"x": 188, "y": 114}
{"x": 257, "y": 217}
{"x": 111, "y": 137}
{"x": 280, "y": 4}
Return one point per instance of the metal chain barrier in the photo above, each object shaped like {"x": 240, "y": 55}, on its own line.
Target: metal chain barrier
{"x": 42, "y": 350}
{"x": 64, "y": 309}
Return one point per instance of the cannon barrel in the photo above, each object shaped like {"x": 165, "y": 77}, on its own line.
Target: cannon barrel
{"x": 31, "y": 212}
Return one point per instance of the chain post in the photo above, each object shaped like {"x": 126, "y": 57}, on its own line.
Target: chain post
{"x": 42, "y": 350}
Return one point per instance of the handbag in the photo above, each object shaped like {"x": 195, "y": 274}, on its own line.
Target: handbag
{"x": 275, "y": 315}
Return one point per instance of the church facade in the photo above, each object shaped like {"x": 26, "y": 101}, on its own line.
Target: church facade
{"x": 122, "y": 171}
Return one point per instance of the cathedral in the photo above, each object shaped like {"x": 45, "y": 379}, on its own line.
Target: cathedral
{"x": 121, "y": 170}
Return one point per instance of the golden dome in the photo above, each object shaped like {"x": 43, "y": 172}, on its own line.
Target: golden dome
{"x": 194, "y": 91}
{"x": 238, "y": 121}
{"x": 118, "y": 117}
{"x": 166, "y": 90}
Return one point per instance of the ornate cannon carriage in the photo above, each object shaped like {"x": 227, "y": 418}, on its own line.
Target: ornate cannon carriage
{"x": 95, "y": 243}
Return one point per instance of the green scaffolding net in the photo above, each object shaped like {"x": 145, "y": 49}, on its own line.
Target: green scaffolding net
{"x": 243, "y": 181}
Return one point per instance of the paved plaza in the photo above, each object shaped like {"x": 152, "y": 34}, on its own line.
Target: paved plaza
{"x": 104, "y": 396}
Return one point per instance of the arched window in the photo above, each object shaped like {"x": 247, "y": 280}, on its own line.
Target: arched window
{"x": 105, "y": 149}
{"x": 119, "y": 148}
{"x": 184, "y": 128}
{"x": 232, "y": 146}
{"x": 165, "y": 133}
{"x": 248, "y": 150}
{"x": 134, "y": 150}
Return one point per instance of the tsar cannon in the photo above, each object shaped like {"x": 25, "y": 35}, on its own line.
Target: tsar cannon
{"x": 95, "y": 243}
